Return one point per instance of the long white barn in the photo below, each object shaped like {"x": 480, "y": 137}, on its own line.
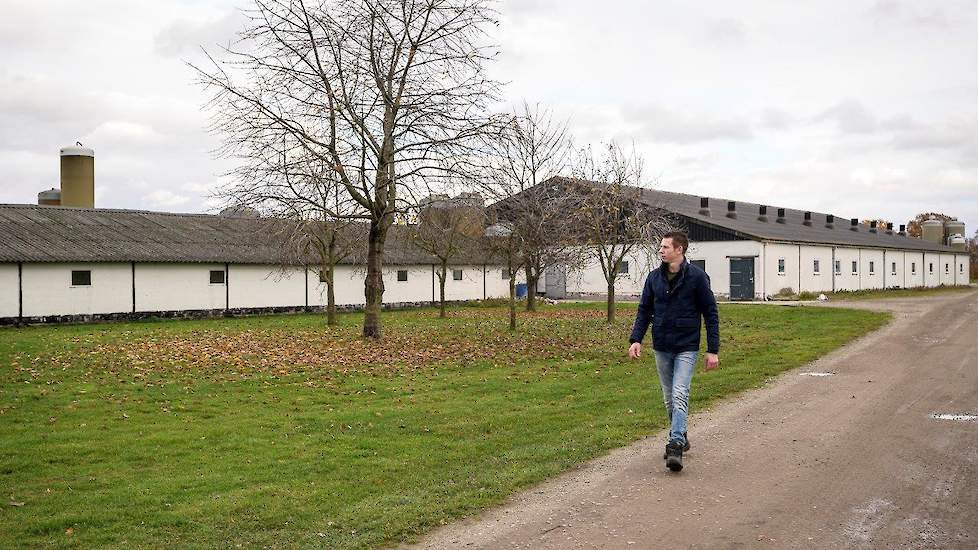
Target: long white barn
{"x": 753, "y": 251}
{"x": 76, "y": 264}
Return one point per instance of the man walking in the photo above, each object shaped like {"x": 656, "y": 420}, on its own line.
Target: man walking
{"x": 676, "y": 295}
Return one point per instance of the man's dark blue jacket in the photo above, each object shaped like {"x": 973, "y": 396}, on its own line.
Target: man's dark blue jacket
{"x": 675, "y": 314}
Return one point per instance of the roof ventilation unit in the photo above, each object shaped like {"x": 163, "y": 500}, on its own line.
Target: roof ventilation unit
{"x": 903, "y": 230}
{"x": 889, "y": 228}
{"x": 732, "y": 210}
{"x": 762, "y": 213}
{"x": 704, "y": 206}
{"x": 808, "y": 219}
{"x": 872, "y": 226}
{"x": 829, "y": 221}
{"x": 780, "y": 216}
{"x": 854, "y": 224}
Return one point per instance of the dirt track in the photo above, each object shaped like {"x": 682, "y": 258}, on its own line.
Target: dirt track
{"x": 853, "y": 460}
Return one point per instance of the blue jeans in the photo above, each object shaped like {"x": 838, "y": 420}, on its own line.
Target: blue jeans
{"x": 675, "y": 375}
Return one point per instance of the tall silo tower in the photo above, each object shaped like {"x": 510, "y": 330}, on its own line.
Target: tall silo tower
{"x": 78, "y": 177}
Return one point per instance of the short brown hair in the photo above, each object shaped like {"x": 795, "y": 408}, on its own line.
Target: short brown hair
{"x": 679, "y": 238}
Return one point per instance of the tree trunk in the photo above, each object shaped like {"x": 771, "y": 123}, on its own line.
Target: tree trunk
{"x": 611, "y": 302}
{"x": 531, "y": 289}
{"x": 441, "y": 289}
{"x": 330, "y": 298}
{"x": 512, "y": 301}
{"x": 374, "y": 282}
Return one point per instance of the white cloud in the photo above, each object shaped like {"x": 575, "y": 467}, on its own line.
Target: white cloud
{"x": 167, "y": 199}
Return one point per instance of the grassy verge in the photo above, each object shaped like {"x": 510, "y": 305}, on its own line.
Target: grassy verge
{"x": 273, "y": 431}
{"x": 895, "y": 293}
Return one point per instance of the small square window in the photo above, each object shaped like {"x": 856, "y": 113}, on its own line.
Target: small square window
{"x": 505, "y": 274}
{"x": 893, "y": 268}
{"x": 81, "y": 278}
{"x": 623, "y": 267}
{"x": 838, "y": 267}
{"x": 946, "y": 269}
{"x": 815, "y": 267}
{"x": 217, "y": 276}
{"x": 781, "y": 265}
{"x": 855, "y": 267}
{"x": 457, "y": 274}
{"x": 872, "y": 268}
{"x": 699, "y": 263}
{"x": 960, "y": 268}
{"x": 913, "y": 268}
{"x": 930, "y": 267}
{"x": 401, "y": 275}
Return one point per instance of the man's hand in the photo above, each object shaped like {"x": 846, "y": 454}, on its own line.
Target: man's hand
{"x": 635, "y": 350}
{"x": 712, "y": 361}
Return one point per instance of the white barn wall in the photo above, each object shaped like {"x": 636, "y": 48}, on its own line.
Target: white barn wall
{"x": 913, "y": 266}
{"x": 8, "y": 290}
{"x": 48, "y": 291}
{"x": 894, "y": 273}
{"x": 845, "y": 279}
{"x": 931, "y": 269}
{"x": 589, "y": 278}
{"x": 717, "y": 256}
{"x": 176, "y": 287}
{"x": 776, "y": 279}
{"x": 253, "y": 285}
{"x": 496, "y": 286}
{"x": 962, "y": 275}
{"x": 469, "y": 288}
{"x": 811, "y": 281}
{"x": 870, "y": 278}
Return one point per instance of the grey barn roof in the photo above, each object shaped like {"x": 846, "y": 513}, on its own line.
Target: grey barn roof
{"x": 31, "y": 233}
{"x": 748, "y": 225}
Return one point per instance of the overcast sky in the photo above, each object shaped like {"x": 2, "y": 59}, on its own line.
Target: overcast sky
{"x": 859, "y": 108}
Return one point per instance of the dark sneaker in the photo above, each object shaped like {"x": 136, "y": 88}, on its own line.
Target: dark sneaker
{"x": 674, "y": 456}
{"x": 686, "y": 446}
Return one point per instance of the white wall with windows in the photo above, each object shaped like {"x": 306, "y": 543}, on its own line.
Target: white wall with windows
{"x": 48, "y": 289}
{"x": 107, "y": 288}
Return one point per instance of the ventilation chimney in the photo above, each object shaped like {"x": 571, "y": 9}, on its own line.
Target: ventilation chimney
{"x": 903, "y": 230}
{"x": 889, "y": 228}
{"x": 78, "y": 176}
{"x": 732, "y": 209}
{"x": 51, "y": 197}
{"x": 704, "y": 206}
{"x": 780, "y": 216}
{"x": 872, "y": 226}
{"x": 854, "y": 224}
{"x": 829, "y": 221}
{"x": 808, "y": 219}
{"x": 762, "y": 213}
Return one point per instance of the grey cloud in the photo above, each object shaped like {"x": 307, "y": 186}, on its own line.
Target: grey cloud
{"x": 656, "y": 123}
{"x": 182, "y": 37}
{"x": 851, "y": 116}
{"x": 726, "y": 32}
{"x": 776, "y": 119}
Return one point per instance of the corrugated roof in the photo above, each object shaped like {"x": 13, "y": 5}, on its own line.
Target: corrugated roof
{"x": 31, "y": 233}
{"x": 747, "y": 222}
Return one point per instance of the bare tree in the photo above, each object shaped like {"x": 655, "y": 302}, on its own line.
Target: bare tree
{"x": 614, "y": 221}
{"x": 315, "y": 221}
{"x": 383, "y": 92}
{"x": 503, "y": 242}
{"x": 447, "y": 228}
{"x": 530, "y": 149}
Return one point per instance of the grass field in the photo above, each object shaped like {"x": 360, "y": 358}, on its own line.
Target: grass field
{"x": 276, "y": 432}
{"x": 896, "y": 293}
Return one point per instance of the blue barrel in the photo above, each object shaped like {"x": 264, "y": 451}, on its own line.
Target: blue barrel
{"x": 521, "y": 290}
